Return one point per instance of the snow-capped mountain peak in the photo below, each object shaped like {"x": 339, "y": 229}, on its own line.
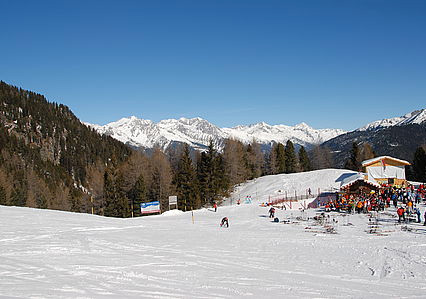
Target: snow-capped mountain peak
{"x": 198, "y": 132}
{"x": 415, "y": 117}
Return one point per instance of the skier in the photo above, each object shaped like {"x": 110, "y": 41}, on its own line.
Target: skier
{"x": 215, "y": 207}
{"x": 224, "y": 222}
{"x": 272, "y": 212}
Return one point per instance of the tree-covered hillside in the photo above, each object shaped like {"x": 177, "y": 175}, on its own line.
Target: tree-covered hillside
{"x": 397, "y": 141}
{"x": 46, "y": 152}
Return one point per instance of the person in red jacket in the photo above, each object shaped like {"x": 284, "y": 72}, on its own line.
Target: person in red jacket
{"x": 400, "y": 213}
{"x": 215, "y": 207}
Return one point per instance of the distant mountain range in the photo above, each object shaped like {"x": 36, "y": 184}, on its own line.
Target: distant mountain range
{"x": 416, "y": 117}
{"x": 198, "y": 132}
{"x": 398, "y": 137}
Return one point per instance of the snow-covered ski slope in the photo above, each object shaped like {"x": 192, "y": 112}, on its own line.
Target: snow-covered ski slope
{"x": 278, "y": 186}
{"x": 54, "y": 254}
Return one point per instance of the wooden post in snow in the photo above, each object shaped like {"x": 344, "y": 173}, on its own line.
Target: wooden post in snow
{"x": 93, "y": 208}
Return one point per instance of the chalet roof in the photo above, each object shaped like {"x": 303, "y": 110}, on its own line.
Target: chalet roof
{"x": 374, "y": 160}
{"x": 357, "y": 177}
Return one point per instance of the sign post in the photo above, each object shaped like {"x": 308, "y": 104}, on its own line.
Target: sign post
{"x": 173, "y": 201}
{"x": 150, "y": 207}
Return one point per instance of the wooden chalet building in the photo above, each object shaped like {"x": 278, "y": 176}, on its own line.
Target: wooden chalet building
{"x": 386, "y": 170}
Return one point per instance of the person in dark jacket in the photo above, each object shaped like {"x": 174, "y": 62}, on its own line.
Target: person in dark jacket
{"x": 272, "y": 212}
{"x": 417, "y": 211}
{"x": 224, "y": 222}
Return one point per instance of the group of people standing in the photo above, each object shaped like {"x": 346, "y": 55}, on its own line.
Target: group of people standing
{"x": 406, "y": 200}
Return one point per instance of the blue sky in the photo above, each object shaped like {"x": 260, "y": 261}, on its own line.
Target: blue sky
{"x": 331, "y": 64}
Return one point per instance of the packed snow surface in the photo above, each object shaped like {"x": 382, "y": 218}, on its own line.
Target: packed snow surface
{"x": 54, "y": 254}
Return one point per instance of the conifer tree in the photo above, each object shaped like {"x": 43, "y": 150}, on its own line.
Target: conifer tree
{"x": 254, "y": 160}
{"x": 2, "y": 196}
{"x": 304, "y": 162}
{"x": 221, "y": 180}
{"x": 354, "y": 162}
{"x": 419, "y": 165}
{"x": 271, "y": 161}
{"x": 116, "y": 203}
{"x": 206, "y": 175}
{"x": 186, "y": 183}
{"x": 280, "y": 158}
{"x": 138, "y": 194}
{"x": 123, "y": 201}
{"x": 290, "y": 157}
{"x": 211, "y": 175}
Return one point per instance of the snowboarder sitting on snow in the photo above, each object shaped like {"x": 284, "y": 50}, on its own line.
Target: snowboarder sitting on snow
{"x": 224, "y": 222}
{"x": 272, "y": 212}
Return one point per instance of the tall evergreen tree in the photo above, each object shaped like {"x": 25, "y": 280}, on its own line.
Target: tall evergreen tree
{"x": 253, "y": 160}
{"x": 419, "y": 165}
{"x": 206, "y": 175}
{"x": 304, "y": 162}
{"x": 186, "y": 183}
{"x": 271, "y": 161}
{"x": 221, "y": 180}
{"x": 290, "y": 157}
{"x": 116, "y": 203}
{"x": 211, "y": 175}
{"x": 354, "y": 162}
{"x": 138, "y": 194}
{"x": 280, "y": 158}
{"x": 2, "y": 196}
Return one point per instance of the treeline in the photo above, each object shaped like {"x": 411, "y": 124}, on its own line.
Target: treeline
{"x": 49, "y": 159}
{"x": 198, "y": 179}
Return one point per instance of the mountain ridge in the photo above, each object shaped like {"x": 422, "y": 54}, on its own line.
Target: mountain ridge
{"x": 198, "y": 132}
